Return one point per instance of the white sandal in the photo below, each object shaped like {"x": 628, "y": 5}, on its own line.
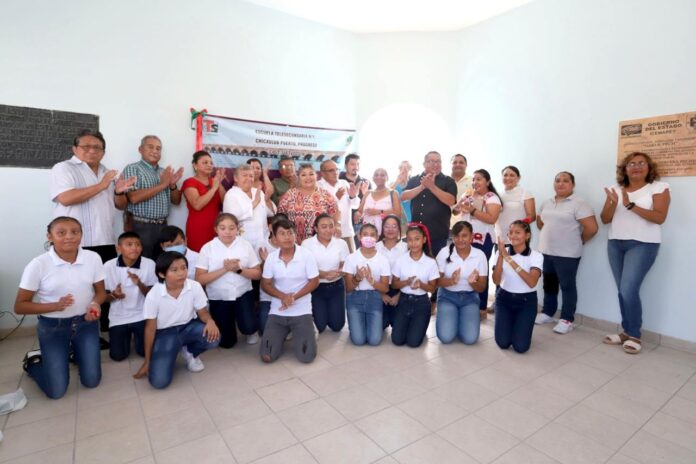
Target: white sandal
{"x": 632, "y": 345}
{"x": 615, "y": 339}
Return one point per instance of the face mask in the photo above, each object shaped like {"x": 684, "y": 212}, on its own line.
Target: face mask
{"x": 178, "y": 248}
{"x": 368, "y": 242}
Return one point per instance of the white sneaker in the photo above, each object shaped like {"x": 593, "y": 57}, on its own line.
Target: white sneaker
{"x": 252, "y": 339}
{"x": 542, "y": 318}
{"x": 563, "y": 327}
{"x": 193, "y": 364}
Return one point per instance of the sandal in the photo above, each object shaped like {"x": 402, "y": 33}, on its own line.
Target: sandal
{"x": 615, "y": 339}
{"x": 632, "y": 345}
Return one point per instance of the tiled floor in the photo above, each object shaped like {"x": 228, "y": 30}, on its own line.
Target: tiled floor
{"x": 571, "y": 399}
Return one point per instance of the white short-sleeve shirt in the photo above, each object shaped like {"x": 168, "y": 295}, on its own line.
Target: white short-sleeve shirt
{"x": 425, "y": 270}
{"x": 130, "y": 308}
{"x": 562, "y": 231}
{"x": 51, "y": 278}
{"x": 230, "y": 285}
{"x": 475, "y": 261}
{"x": 345, "y": 204}
{"x": 192, "y": 259}
{"x": 513, "y": 210}
{"x": 394, "y": 252}
{"x": 96, "y": 215}
{"x": 627, "y": 225}
{"x": 170, "y": 311}
{"x": 482, "y": 229}
{"x": 328, "y": 258}
{"x": 291, "y": 278}
{"x": 253, "y": 222}
{"x": 379, "y": 267}
{"x": 510, "y": 280}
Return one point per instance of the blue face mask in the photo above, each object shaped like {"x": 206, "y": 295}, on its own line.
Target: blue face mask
{"x": 178, "y": 248}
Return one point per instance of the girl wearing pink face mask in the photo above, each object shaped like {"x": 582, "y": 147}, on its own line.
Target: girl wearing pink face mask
{"x": 366, "y": 273}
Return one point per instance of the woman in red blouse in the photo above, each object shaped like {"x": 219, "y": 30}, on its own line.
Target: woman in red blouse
{"x": 204, "y": 194}
{"x": 302, "y": 204}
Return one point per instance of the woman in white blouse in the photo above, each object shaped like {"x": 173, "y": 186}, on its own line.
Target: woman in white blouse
{"x": 518, "y": 203}
{"x": 635, "y": 208}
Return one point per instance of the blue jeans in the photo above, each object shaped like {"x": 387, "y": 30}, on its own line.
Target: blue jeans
{"x": 56, "y": 335}
{"x": 457, "y": 315}
{"x": 487, "y": 248}
{"x": 630, "y": 261}
{"x": 365, "y": 317}
{"x": 411, "y": 320}
{"x": 228, "y": 314}
{"x": 560, "y": 271}
{"x": 120, "y": 340}
{"x": 168, "y": 343}
{"x": 329, "y": 306}
{"x": 388, "y": 310}
{"x": 264, "y": 309}
{"x": 514, "y": 319}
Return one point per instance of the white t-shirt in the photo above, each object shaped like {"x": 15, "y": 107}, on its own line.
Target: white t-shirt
{"x": 328, "y": 258}
{"x": 253, "y": 222}
{"x": 475, "y": 260}
{"x": 96, "y": 214}
{"x": 345, "y": 204}
{"x": 481, "y": 229}
{"x": 379, "y": 267}
{"x": 510, "y": 280}
{"x": 170, "y": 311}
{"x": 562, "y": 231}
{"x": 627, "y": 225}
{"x": 291, "y": 278}
{"x": 130, "y": 308}
{"x": 52, "y": 278}
{"x": 230, "y": 285}
{"x": 263, "y": 296}
{"x": 513, "y": 210}
{"x": 425, "y": 270}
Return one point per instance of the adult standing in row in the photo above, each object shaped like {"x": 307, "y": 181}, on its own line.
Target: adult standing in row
{"x": 286, "y": 181}
{"x": 635, "y": 207}
{"x": 84, "y": 189}
{"x": 261, "y": 179}
{"x": 346, "y": 195}
{"x": 204, "y": 194}
{"x": 380, "y": 202}
{"x": 566, "y": 223}
{"x": 352, "y": 176}
{"x": 154, "y": 191}
{"x": 518, "y": 203}
{"x": 399, "y": 185}
{"x": 302, "y": 204}
{"x": 458, "y": 165}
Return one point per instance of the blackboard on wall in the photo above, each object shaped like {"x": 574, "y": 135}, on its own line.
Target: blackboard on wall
{"x": 37, "y": 138}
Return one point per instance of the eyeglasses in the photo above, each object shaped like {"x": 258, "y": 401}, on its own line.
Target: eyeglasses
{"x": 637, "y": 164}
{"x": 434, "y": 161}
{"x": 390, "y": 227}
{"x": 96, "y": 148}
{"x": 329, "y": 170}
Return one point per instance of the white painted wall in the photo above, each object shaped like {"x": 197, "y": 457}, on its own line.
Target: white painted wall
{"x": 140, "y": 66}
{"x": 544, "y": 87}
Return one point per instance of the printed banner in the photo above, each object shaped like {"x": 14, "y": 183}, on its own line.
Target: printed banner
{"x": 231, "y": 142}
{"x": 670, "y": 140}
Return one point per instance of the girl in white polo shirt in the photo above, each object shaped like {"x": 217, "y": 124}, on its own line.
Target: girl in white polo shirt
{"x": 463, "y": 273}
{"x": 329, "y": 299}
{"x": 226, "y": 266}
{"x": 392, "y": 247}
{"x": 290, "y": 274}
{"x": 517, "y": 270}
{"x": 415, "y": 274}
{"x": 175, "y": 321}
{"x": 367, "y": 275}
{"x": 68, "y": 282}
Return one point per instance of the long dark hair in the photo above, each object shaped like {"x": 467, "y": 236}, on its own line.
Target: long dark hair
{"x": 423, "y": 230}
{"x": 527, "y": 230}
{"x": 491, "y": 187}
{"x": 456, "y": 229}
{"x": 398, "y": 223}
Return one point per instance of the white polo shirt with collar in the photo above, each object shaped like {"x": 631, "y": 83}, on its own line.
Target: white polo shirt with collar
{"x": 96, "y": 214}
{"x": 52, "y": 278}
{"x": 562, "y": 231}
{"x": 230, "y": 285}
{"x": 170, "y": 311}
{"x": 130, "y": 308}
{"x": 290, "y": 278}
{"x": 379, "y": 267}
{"x": 510, "y": 280}
{"x": 328, "y": 258}
{"x": 425, "y": 270}
{"x": 475, "y": 261}
{"x": 253, "y": 222}
{"x": 345, "y": 204}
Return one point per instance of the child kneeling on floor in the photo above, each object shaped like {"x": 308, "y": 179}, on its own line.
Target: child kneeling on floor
{"x": 171, "y": 326}
{"x": 290, "y": 274}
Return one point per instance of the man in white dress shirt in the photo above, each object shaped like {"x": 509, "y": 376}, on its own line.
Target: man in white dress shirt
{"x": 346, "y": 195}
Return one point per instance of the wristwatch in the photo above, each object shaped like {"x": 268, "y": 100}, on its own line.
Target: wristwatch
{"x": 630, "y": 205}
{"x": 239, "y": 271}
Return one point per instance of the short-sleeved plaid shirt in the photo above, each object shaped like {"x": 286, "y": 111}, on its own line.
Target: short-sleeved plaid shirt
{"x": 148, "y": 176}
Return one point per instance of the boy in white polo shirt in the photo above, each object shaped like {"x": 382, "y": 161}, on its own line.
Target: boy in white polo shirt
{"x": 129, "y": 278}
{"x": 289, "y": 276}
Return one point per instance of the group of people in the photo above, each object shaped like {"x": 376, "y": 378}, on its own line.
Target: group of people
{"x": 290, "y": 257}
